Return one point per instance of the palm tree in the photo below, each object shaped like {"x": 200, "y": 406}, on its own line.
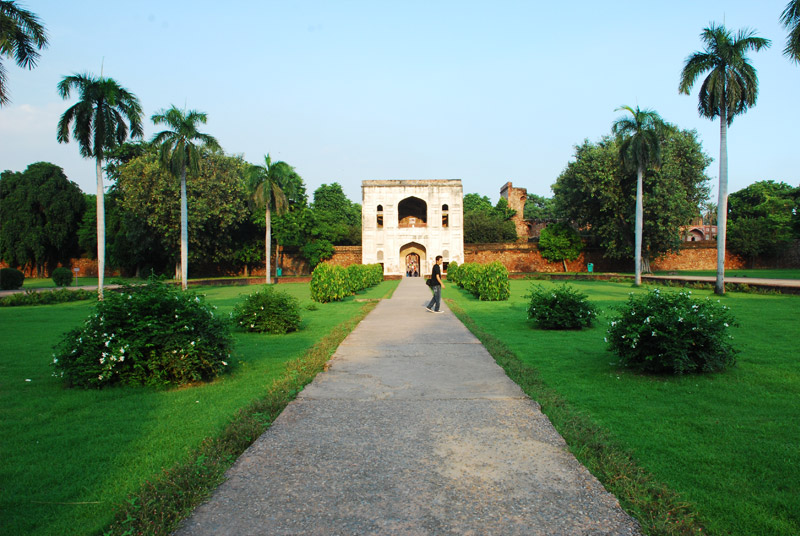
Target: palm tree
{"x": 98, "y": 125}
{"x": 730, "y": 88}
{"x": 21, "y": 34}
{"x": 639, "y": 146}
{"x": 179, "y": 150}
{"x": 791, "y": 20}
{"x": 265, "y": 181}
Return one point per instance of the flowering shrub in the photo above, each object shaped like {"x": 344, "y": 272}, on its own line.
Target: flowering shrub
{"x": 11, "y": 279}
{"x": 672, "y": 332}
{"x": 62, "y": 277}
{"x": 561, "y": 308}
{"x": 268, "y": 310}
{"x": 487, "y": 282}
{"x": 153, "y": 334}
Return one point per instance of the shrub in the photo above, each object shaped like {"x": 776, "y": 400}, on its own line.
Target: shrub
{"x": 563, "y": 307}
{"x": 329, "y": 283}
{"x": 46, "y": 297}
{"x": 153, "y": 334}
{"x": 357, "y": 277}
{"x": 468, "y": 277}
{"x": 62, "y": 277}
{"x": 672, "y": 332}
{"x": 317, "y": 251}
{"x": 268, "y": 310}
{"x": 11, "y": 279}
{"x": 493, "y": 282}
{"x": 452, "y": 272}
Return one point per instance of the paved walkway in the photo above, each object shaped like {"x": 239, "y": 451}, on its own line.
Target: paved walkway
{"x": 414, "y": 429}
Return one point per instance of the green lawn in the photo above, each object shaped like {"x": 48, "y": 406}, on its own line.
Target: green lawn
{"x": 68, "y": 456}
{"x": 727, "y": 443}
{"x": 766, "y": 274}
{"x": 46, "y": 282}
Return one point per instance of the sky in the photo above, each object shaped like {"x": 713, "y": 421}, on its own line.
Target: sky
{"x": 345, "y": 91}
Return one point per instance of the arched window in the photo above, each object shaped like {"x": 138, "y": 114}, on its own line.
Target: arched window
{"x": 445, "y": 216}
{"x": 412, "y": 212}
{"x": 380, "y": 216}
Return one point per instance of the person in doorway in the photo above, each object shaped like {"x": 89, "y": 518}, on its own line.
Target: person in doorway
{"x": 436, "y": 286}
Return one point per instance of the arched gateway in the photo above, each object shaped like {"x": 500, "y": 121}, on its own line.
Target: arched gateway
{"x": 407, "y": 222}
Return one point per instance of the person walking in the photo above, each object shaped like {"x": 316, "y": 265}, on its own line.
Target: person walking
{"x": 436, "y": 286}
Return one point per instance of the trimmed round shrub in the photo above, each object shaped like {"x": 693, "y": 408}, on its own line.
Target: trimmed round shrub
{"x": 563, "y": 307}
{"x": 329, "y": 283}
{"x": 268, "y": 310}
{"x": 665, "y": 331}
{"x": 452, "y": 272}
{"x": 153, "y": 334}
{"x": 493, "y": 282}
{"x": 11, "y": 279}
{"x": 62, "y": 277}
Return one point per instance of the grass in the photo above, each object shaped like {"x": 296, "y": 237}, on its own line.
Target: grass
{"x": 70, "y": 456}
{"x": 728, "y": 444}
{"x": 781, "y": 273}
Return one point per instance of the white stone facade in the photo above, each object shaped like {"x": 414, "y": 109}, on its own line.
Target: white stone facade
{"x": 406, "y": 224}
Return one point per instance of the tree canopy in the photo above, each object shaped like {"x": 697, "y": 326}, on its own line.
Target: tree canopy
{"x": 560, "y": 242}
{"x": 40, "y": 212}
{"x": 484, "y": 223}
{"x": 596, "y": 192}
{"x": 22, "y": 35}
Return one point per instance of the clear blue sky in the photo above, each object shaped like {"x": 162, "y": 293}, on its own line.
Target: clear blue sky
{"x": 485, "y": 92}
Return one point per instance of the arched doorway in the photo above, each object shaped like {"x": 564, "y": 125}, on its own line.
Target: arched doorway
{"x": 412, "y": 255}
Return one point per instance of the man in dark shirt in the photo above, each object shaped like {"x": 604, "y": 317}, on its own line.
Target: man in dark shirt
{"x": 436, "y": 286}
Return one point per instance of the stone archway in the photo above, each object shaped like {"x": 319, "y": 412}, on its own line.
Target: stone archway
{"x": 414, "y": 251}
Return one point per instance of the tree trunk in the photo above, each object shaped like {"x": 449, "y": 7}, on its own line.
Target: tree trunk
{"x": 564, "y": 262}
{"x": 646, "y": 265}
{"x": 101, "y": 229}
{"x": 268, "y": 240}
{"x": 184, "y": 233}
{"x": 722, "y": 205}
{"x": 637, "y": 248}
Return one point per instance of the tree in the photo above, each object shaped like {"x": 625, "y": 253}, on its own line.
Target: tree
{"x": 539, "y": 208}
{"x": 639, "y": 146}
{"x": 265, "y": 185}
{"x": 21, "y": 35}
{"x": 218, "y": 219}
{"x": 730, "y": 88}
{"x": 595, "y": 192}
{"x": 40, "y": 211}
{"x": 98, "y": 121}
{"x": 179, "y": 150}
{"x": 484, "y": 223}
{"x": 336, "y": 218}
{"x": 791, "y": 20}
{"x": 763, "y": 218}
{"x": 560, "y": 242}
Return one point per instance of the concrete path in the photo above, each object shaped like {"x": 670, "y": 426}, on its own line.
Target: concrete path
{"x": 414, "y": 429}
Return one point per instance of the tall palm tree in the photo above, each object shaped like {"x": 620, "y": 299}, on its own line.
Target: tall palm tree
{"x": 791, "y": 20}
{"x": 179, "y": 150}
{"x": 98, "y": 125}
{"x": 265, "y": 181}
{"x": 730, "y": 88}
{"x": 21, "y": 34}
{"x": 639, "y": 146}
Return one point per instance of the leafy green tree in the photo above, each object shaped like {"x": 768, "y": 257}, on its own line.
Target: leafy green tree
{"x": 560, "y": 242}
{"x": 484, "y": 223}
{"x": 40, "y": 211}
{"x": 595, "y": 192}
{"x": 336, "y": 218}
{"x": 639, "y": 146}
{"x": 763, "y": 218}
{"x": 21, "y": 36}
{"x": 265, "y": 185}
{"x": 730, "y": 88}
{"x": 791, "y": 20}
{"x": 179, "y": 151}
{"x": 98, "y": 125}
{"x": 539, "y": 208}
{"x": 218, "y": 218}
